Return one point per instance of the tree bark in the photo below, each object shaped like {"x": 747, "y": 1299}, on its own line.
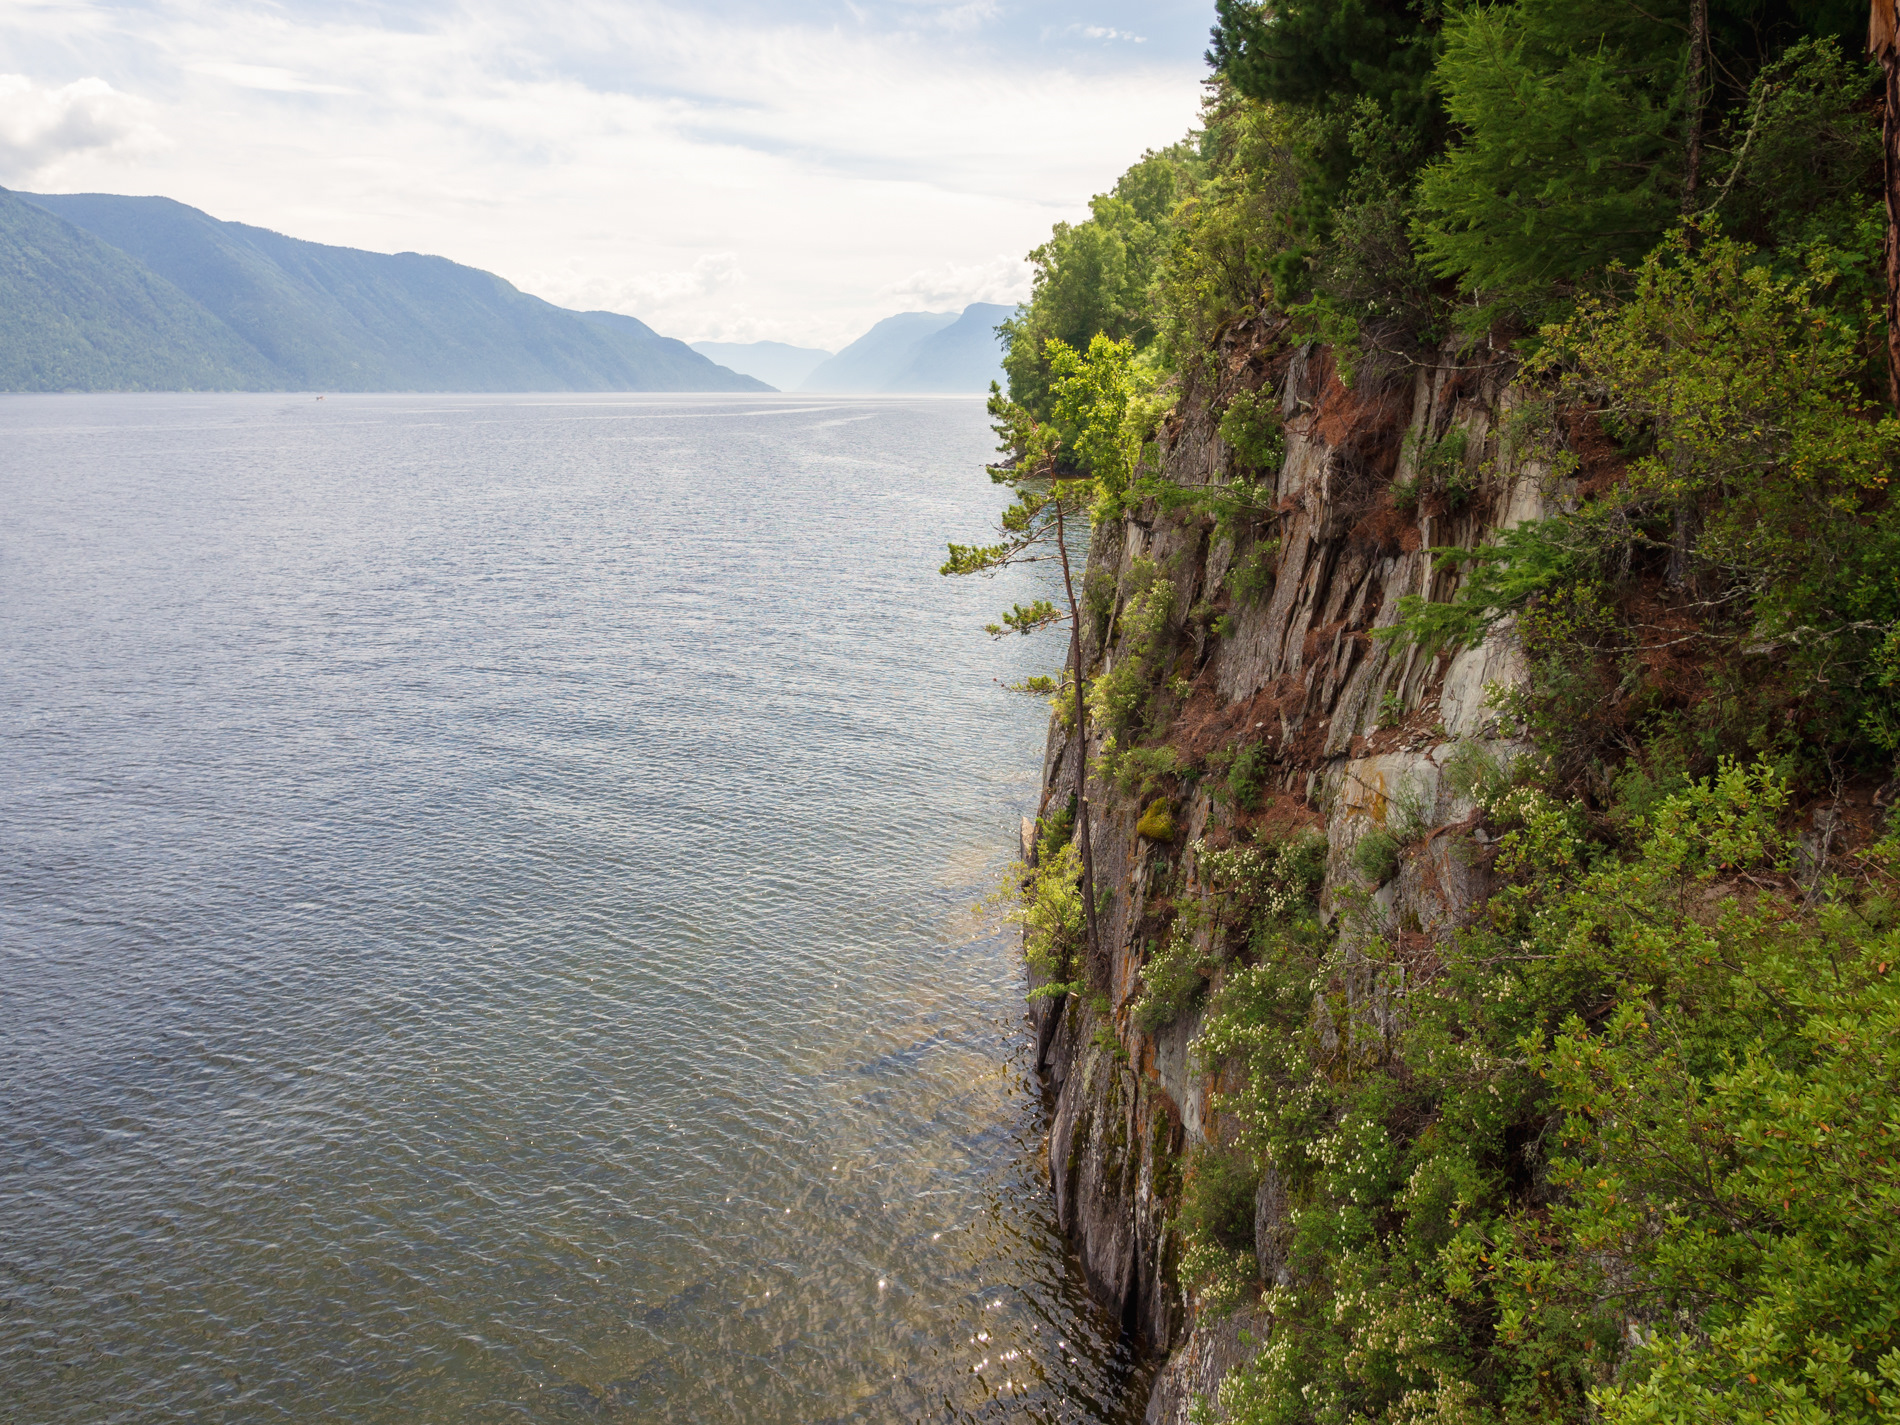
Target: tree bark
{"x": 1686, "y": 522}
{"x": 1883, "y": 41}
{"x": 1092, "y": 952}
{"x": 1698, "y": 97}
{"x": 1685, "y": 528}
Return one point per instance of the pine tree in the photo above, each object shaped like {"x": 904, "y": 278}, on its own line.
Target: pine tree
{"x": 1035, "y": 530}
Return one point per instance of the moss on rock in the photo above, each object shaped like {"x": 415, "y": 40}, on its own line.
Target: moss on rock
{"x": 1157, "y": 823}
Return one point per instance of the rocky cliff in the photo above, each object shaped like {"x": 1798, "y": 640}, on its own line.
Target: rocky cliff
{"x": 1352, "y": 735}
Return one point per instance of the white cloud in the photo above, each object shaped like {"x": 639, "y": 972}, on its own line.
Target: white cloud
{"x": 265, "y": 77}
{"x": 630, "y": 154}
{"x": 40, "y": 126}
{"x": 645, "y": 293}
{"x": 969, "y": 16}
{"x": 1002, "y": 279}
{"x": 1102, "y": 32}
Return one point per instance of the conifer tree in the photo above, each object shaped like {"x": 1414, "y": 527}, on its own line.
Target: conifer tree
{"x": 1035, "y": 530}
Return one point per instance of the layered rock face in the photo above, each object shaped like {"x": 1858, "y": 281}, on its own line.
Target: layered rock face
{"x": 1355, "y": 733}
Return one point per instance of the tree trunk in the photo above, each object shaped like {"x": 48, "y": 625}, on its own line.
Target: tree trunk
{"x": 1685, "y": 528}
{"x": 1092, "y": 952}
{"x": 1687, "y": 521}
{"x": 1698, "y": 85}
{"x": 1883, "y": 40}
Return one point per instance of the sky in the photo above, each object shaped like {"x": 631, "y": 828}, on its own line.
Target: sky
{"x": 727, "y": 170}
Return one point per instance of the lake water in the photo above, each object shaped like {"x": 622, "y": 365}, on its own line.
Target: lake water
{"x": 483, "y": 919}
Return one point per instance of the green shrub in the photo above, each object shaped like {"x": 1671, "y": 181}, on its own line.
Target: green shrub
{"x": 1216, "y": 1227}
{"x": 1226, "y": 235}
{"x": 1118, "y": 700}
{"x": 1106, "y": 1039}
{"x": 1251, "y": 428}
{"x": 1638, "y": 1141}
{"x": 1053, "y": 832}
{"x": 1501, "y": 577}
{"x": 1376, "y": 855}
{"x": 1243, "y": 774}
{"x": 1138, "y": 770}
{"x": 1475, "y": 774}
{"x": 1276, "y": 879}
{"x": 1251, "y": 578}
{"x": 1052, "y": 914}
{"x": 1443, "y": 469}
{"x": 1171, "y": 979}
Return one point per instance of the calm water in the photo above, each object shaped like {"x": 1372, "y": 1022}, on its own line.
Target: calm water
{"x": 481, "y": 919}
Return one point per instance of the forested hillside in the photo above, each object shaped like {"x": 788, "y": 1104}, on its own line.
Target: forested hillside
{"x": 78, "y": 314}
{"x": 224, "y": 306}
{"x": 1466, "y": 878}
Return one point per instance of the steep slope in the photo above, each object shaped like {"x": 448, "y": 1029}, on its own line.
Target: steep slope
{"x": 1346, "y": 731}
{"x": 1342, "y": 907}
{"x": 1461, "y": 909}
{"x": 870, "y": 362}
{"x": 78, "y": 314}
{"x": 965, "y": 356}
{"x": 774, "y": 362}
{"x": 342, "y": 319}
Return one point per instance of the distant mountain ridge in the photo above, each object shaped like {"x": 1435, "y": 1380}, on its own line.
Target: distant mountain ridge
{"x": 965, "y": 356}
{"x": 101, "y": 292}
{"x": 941, "y": 352}
{"x": 869, "y": 363}
{"x": 776, "y": 362}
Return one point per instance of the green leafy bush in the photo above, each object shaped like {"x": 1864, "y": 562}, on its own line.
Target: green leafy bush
{"x": 1242, "y": 772}
{"x": 1225, "y": 235}
{"x": 1171, "y": 979}
{"x": 1276, "y": 879}
{"x": 1375, "y": 855}
{"x": 1092, "y": 277}
{"x": 1215, "y": 1222}
{"x": 1251, "y": 428}
{"x": 1263, "y": 889}
{"x": 1140, "y": 769}
{"x": 1119, "y": 698}
{"x": 1638, "y": 1140}
{"x": 1569, "y": 154}
{"x": 1252, "y": 576}
{"x": 1050, "y": 904}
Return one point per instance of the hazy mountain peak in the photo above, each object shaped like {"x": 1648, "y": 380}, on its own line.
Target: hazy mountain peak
{"x": 947, "y": 352}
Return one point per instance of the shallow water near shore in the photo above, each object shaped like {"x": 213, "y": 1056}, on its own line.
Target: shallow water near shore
{"x": 483, "y": 919}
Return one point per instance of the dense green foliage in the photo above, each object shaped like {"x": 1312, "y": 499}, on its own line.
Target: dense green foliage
{"x": 1092, "y": 278}
{"x": 78, "y": 314}
{"x": 1638, "y": 1143}
{"x": 1626, "y": 1146}
{"x": 1050, "y": 910}
{"x": 1389, "y": 171}
{"x": 1759, "y": 468}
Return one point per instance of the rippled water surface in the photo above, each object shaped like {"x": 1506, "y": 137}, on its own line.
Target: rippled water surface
{"x": 481, "y": 935}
